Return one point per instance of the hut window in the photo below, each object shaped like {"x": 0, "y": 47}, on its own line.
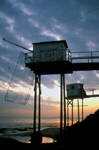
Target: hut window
{"x": 72, "y": 87}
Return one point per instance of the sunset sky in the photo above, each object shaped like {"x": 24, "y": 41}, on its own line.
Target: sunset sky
{"x": 29, "y": 21}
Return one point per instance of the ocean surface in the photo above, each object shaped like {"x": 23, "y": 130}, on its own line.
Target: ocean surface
{"x": 21, "y": 128}
{"x": 27, "y": 122}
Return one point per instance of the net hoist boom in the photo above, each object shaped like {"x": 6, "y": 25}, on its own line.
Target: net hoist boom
{"x": 17, "y": 45}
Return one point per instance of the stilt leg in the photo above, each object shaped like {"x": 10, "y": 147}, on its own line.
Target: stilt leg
{"x": 61, "y": 104}
{"x": 82, "y": 109}
{"x": 36, "y": 137}
{"x": 67, "y": 112}
{"x": 72, "y": 112}
{"x": 78, "y": 112}
{"x": 64, "y": 103}
{"x": 39, "y": 111}
{"x": 35, "y": 95}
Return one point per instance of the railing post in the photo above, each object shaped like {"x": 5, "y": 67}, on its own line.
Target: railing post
{"x": 68, "y": 54}
{"x": 91, "y": 57}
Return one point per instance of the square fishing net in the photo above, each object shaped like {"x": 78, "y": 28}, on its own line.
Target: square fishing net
{"x": 21, "y": 83}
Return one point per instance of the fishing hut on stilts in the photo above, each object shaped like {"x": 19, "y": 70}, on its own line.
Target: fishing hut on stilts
{"x": 49, "y": 58}
{"x": 54, "y": 57}
{"x": 74, "y": 91}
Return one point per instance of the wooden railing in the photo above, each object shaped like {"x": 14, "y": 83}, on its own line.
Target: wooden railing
{"x": 90, "y": 56}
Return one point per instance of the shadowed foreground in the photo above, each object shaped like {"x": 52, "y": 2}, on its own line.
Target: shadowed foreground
{"x": 12, "y": 144}
{"x": 83, "y": 134}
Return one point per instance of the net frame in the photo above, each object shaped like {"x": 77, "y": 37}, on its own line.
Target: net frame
{"x": 21, "y": 83}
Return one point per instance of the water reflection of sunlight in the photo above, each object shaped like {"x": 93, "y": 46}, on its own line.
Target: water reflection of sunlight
{"x": 47, "y": 140}
{"x": 27, "y": 139}
{"x": 22, "y": 139}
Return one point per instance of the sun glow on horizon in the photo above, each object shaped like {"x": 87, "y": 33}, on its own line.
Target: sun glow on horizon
{"x": 53, "y": 93}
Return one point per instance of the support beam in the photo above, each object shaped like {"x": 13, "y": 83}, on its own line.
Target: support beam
{"x": 67, "y": 112}
{"x": 37, "y": 81}
{"x": 78, "y": 112}
{"x": 72, "y": 111}
{"x": 64, "y": 103}
{"x": 62, "y": 97}
{"x": 36, "y": 137}
{"x": 35, "y": 96}
{"x": 61, "y": 113}
{"x": 69, "y": 102}
{"x": 39, "y": 107}
{"x": 82, "y": 109}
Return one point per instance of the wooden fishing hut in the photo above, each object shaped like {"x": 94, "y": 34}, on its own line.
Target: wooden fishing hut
{"x": 54, "y": 57}
{"x": 49, "y": 58}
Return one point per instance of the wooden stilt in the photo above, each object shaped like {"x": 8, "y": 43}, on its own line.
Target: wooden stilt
{"x": 78, "y": 112}
{"x": 67, "y": 112}
{"x": 64, "y": 103}
{"x": 35, "y": 95}
{"x": 36, "y": 137}
{"x": 61, "y": 116}
{"x": 72, "y": 111}
{"x": 82, "y": 109}
{"x": 39, "y": 108}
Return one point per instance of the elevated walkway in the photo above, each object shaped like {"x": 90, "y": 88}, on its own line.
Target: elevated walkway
{"x": 80, "y": 61}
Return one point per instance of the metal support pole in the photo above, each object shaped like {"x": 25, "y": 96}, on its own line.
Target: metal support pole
{"x": 91, "y": 58}
{"x": 72, "y": 111}
{"x": 78, "y": 111}
{"x": 39, "y": 108}
{"x": 67, "y": 113}
{"x": 82, "y": 109}
{"x": 35, "y": 94}
{"x": 61, "y": 104}
{"x": 64, "y": 104}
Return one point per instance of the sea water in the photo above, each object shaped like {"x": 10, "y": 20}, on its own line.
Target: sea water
{"x": 27, "y": 122}
{"x": 21, "y": 128}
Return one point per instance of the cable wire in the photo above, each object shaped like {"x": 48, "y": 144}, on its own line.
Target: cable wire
{"x": 67, "y": 20}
